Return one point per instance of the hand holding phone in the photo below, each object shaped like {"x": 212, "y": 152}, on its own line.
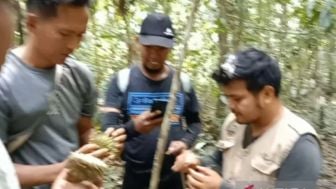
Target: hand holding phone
{"x": 159, "y": 104}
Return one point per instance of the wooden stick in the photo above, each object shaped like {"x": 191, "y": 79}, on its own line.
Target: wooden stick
{"x": 162, "y": 142}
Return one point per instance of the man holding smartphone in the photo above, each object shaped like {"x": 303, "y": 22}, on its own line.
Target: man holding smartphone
{"x": 150, "y": 82}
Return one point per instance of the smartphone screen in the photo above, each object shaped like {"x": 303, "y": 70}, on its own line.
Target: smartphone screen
{"x": 159, "y": 104}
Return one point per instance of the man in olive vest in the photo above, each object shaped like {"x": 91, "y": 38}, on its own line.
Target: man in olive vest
{"x": 263, "y": 144}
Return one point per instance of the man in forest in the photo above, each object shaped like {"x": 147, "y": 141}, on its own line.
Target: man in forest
{"x": 131, "y": 94}
{"x": 263, "y": 144}
{"x": 45, "y": 114}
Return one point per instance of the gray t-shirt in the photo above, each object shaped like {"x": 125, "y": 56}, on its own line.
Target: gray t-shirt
{"x": 32, "y": 98}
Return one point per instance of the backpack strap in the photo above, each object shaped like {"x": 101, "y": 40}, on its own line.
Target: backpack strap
{"x": 19, "y": 139}
{"x": 185, "y": 82}
{"x": 123, "y": 78}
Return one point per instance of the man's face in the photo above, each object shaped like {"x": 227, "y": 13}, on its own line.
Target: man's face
{"x": 154, "y": 57}
{"x": 244, "y": 104}
{"x": 56, "y": 37}
{"x": 6, "y": 31}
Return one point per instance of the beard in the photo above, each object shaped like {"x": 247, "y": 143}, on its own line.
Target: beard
{"x": 153, "y": 70}
{"x": 248, "y": 118}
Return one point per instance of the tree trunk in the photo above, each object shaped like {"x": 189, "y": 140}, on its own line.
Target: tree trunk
{"x": 224, "y": 8}
{"x": 128, "y": 41}
{"x": 222, "y": 31}
{"x": 241, "y": 12}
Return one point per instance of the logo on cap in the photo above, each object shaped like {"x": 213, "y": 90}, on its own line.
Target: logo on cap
{"x": 168, "y": 32}
{"x": 229, "y": 66}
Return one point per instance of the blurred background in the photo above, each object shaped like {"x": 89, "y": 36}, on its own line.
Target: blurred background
{"x": 300, "y": 34}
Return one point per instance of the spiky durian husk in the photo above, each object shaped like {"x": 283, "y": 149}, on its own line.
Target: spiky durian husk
{"x": 85, "y": 167}
{"x": 105, "y": 141}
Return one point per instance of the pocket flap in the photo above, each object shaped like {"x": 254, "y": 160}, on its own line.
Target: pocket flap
{"x": 264, "y": 164}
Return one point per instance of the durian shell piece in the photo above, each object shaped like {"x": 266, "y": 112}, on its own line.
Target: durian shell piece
{"x": 85, "y": 167}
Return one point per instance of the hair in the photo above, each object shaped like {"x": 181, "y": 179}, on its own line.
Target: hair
{"x": 256, "y": 78}
{"x": 48, "y": 8}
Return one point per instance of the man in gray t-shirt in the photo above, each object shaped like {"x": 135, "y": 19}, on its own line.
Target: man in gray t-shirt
{"x": 58, "y": 114}
{"x": 8, "y": 179}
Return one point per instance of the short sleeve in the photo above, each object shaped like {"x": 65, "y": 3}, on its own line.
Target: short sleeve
{"x": 302, "y": 167}
{"x": 84, "y": 79}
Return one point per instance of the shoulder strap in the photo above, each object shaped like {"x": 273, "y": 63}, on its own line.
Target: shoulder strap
{"x": 58, "y": 75}
{"x": 124, "y": 76}
{"x": 19, "y": 139}
{"x": 185, "y": 82}
{"x": 123, "y": 79}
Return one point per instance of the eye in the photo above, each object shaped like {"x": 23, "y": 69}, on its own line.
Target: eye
{"x": 64, "y": 34}
{"x": 81, "y": 36}
{"x": 237, "y": 99}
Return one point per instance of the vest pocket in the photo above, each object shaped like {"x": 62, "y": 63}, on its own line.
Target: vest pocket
{"x": 225, "y": 144}
{"x": 264, "y": 164}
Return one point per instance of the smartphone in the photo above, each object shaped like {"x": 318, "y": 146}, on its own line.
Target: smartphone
{"x": 159, "y": 104}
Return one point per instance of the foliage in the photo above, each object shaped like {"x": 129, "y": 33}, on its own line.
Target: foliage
{"x": 299, "y": 33}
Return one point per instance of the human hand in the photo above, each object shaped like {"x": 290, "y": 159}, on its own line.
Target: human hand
{"x": 176, "y": 147}
{"x": 118, "y": 135}
{"x": 147, "y": 121}
{"x": 61, "y": 182}
{"x": 184, "y": 161}
{"x": 94, "y": 150}
{"x": 203, "y": 178}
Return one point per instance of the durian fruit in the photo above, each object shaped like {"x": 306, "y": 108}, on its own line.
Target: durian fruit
{"x": 105, "y": 141}
{"x": 85, "y": 167}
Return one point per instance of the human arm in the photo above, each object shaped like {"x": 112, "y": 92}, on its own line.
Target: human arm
{"x": 142, "y": 123}
{"x": 193, "y": 121}
{"x": 46, "y": 174}
{"x": 302, "y": 167}
{"x": 84, "y": 127}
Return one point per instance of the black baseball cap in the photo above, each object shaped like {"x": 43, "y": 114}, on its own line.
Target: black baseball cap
{"x": 157, "y": 30}
{"x": 247, "y": 63}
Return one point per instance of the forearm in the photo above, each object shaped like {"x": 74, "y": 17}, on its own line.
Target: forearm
{"x": 84, "y": 137}
{"x": 192, "y": 133}
{"x": 43, "y": 174}
{"x": 84, "y": 127}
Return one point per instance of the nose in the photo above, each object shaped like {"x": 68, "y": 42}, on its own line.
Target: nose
{"x": 153, "y": 54}
{"x": 231, "y": 104}
{"x": 73, "y": 43}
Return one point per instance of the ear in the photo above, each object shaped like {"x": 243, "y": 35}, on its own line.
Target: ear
{"x": 268, "y": 94}
{"x": 136, "y": 39}
{"x": 31, "y": 22}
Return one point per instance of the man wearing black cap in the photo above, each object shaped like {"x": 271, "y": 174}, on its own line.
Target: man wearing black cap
{"x": 263, "y": 144}
{"x": 130, "y": 96}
